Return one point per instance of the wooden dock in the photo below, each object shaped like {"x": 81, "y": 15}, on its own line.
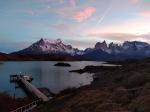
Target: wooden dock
{"x": 30, "y": 88}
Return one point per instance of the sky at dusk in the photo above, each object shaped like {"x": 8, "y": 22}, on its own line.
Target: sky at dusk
{"x": 80, "y": 23}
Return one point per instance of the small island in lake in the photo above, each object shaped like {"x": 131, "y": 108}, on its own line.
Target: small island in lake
{"x": 63, "y": 64}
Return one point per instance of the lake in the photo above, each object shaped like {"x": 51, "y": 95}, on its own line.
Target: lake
{"x": 45, "y": 75}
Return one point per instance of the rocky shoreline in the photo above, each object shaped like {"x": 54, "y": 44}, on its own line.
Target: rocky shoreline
{"x": 94, "y": 69}
{"x": 116, "y": 89}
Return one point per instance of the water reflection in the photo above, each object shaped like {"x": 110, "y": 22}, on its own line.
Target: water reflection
{"x": 45, "y": 75}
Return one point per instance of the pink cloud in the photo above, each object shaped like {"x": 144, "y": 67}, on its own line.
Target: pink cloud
{"x": 85, "y": 14}
{"x": 135, "y": 1}
{"x": 145, "y": 13}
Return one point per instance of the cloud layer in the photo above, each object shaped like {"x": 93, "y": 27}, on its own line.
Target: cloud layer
{"x": 85, "y": 14}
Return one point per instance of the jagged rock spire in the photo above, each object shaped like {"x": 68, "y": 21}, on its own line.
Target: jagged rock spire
{"x": 102, "y": 46}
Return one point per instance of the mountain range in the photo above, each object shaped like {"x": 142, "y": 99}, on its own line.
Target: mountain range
{"x": 46, "y": 49}
{"x": 46, "y": 46}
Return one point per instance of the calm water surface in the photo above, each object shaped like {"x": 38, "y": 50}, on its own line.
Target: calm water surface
{"x": 45, "y": 74}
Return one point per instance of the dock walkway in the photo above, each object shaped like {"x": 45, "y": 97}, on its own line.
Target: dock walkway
{"x": 25, "y": 80}
{"x": 31, "y": 88}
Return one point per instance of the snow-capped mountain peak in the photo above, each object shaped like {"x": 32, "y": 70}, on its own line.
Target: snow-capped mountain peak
{"x": 101, "y": 50}
{"x": 129, "y": 49}
{"x": 46, "y": 46}
{"x": 48, "y": 41}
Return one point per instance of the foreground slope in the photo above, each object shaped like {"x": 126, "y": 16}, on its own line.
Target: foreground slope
{"x": 117, "y": 89}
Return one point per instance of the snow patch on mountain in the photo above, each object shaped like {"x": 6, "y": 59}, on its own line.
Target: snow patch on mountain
{"x": 46, "y": 46}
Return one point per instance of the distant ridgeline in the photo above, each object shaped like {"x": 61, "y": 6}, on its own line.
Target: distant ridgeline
{"x": 45, "y": 49}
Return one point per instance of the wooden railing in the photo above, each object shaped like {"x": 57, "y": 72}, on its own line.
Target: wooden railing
{"x": 28, "y": 107}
